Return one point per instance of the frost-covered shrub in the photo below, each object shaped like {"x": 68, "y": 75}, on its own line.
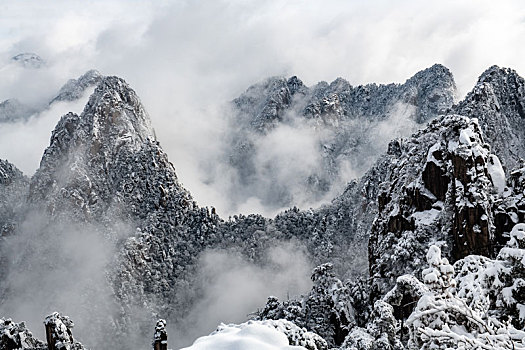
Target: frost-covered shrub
{"x": 359, "y": 291}
{"x": 439, "y": 275}
{"x": 384, "y": 326}
{"x": 264, "y": 335}
{"x": 298, "y": 336}
{"x": 381, "y": 331}
{"x": 404, "y": 295}
{"x": 327, "y": 310}
{"x": 358, "y": 339}
{"x": 512, "y": 296}
{"x": 443, "y": 320}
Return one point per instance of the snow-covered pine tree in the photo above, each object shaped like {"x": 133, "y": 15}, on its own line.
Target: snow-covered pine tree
{"x": 442, "y": 320}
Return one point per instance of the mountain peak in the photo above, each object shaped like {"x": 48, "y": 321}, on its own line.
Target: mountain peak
{"x": 295, "y": 84}
{"x": 74, "y": 88}
{"x": 498, "y": 101}
{"x": 438, "y": 67}
{"x": 507, "y": 84}
{"x": 437, "y": 73}
{"x": 29, "y": 60}
{"x": 436, "y": 86}
{"x": 106, "y": 138}
{"x": 340, "y": 85}
{"x": 495, "y": 72}
{"x": 115, "y": 110}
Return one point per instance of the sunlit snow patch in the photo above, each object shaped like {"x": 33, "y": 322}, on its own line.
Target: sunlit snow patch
{"x": 426, "y": 217}
{"x": 496, "y": 173}
{"x": 246, "y": 336}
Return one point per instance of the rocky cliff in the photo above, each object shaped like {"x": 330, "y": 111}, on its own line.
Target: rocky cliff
{"x": 498, "y": 101}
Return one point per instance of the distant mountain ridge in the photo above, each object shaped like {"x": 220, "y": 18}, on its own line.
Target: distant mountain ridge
{"x": 29, "y": 60}
{"x": 349, "y": 125}
{"x": 12, "y": 110}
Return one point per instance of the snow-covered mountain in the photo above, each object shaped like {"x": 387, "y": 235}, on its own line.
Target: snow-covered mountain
{"x": 497, "y": 101}
{"x": 74, "y": 88}
{"x": 424, "y": 249}
{"x": 329, "y": 133}
{"x": 12, "y": 110}
{"x": 29, "y": 60}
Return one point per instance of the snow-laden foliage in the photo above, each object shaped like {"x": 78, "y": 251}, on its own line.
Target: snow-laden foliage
{"x": 444, "y": 319}
{"x": 474, "y": 304}
{"x": 381, "y": 331}
{"x": 326, "y": 310}
{"x": 14, "y": 336}
{"x": 444, "y": 185}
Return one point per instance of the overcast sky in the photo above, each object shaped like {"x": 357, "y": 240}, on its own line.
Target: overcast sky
{"x": 185, "y": 58}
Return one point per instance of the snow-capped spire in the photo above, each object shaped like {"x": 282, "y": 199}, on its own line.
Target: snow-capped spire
{"x": 114, "y": 111}
{"x": 91, "y": 156}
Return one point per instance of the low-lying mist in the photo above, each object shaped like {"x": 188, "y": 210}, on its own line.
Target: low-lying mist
{"x": 184, "y": 67}
{"x": 57, "y": 266}
{"x": 298, "y": 162}
{"x": 234, "y": 287}
{"x": 54, "y": 264}
{"x": 186, "y": 59}
{"x": 23, "y": 142}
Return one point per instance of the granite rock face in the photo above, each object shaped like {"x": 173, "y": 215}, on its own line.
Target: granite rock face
{"x": 498, "y": 101}
{"x": 13, "y": 192}
{"x": 440, "y": 188}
